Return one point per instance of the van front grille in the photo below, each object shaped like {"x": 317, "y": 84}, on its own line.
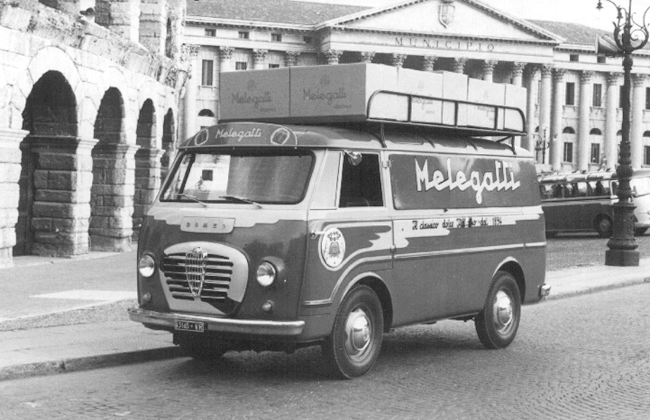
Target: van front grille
{"x": 198, "y": 274}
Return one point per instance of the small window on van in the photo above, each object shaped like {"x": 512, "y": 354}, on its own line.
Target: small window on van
{"x": 361, "y": 182}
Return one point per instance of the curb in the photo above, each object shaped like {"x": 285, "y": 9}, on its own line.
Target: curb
{"x": 590, "y": 290}
{"x": 87, "y": 363}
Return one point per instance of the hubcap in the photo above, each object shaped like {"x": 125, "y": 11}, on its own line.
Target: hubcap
{"x": 358, "y": 333}
{"x": 503, "y": 312}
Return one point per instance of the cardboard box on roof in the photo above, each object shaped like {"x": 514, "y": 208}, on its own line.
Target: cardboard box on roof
{"x": 254, "y": 95}
{"x": 338, "y": 93}
{"x": 454, "y": 86}
{"x": 484, "y": 92}
{"x": 361, "y": 91}
{"x": 515, "y": 96}
{"x": 422, "y": 83}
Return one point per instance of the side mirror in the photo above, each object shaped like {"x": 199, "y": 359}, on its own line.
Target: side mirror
{"x": 354, "y": 158}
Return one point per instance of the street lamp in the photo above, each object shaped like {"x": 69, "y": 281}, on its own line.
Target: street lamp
{"x": 629, "y": 36}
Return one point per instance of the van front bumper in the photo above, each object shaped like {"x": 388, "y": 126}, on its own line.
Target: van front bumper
{"x": 167, "y": 321}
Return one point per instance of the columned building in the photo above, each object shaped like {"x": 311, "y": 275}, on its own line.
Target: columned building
{"x": 573, "y": 109}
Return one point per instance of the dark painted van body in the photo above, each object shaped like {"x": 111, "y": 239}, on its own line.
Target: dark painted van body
{"x": 423, "y": 223}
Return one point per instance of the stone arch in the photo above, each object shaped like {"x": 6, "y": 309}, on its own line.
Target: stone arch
{"x": 113, "y": 184}
{"x": 147, "y": 164}
{"x": 46, "y": 60}
{"x": 114, "y": 78}
{"x": 55, "y": 177}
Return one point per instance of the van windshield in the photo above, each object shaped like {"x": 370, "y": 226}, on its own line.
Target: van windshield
{"x": 240, "y": 177}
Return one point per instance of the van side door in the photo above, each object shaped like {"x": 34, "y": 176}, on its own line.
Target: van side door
{"x": 349, "y": 234}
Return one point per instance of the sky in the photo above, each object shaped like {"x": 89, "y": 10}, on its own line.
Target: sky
{"x": 576, "y": 11}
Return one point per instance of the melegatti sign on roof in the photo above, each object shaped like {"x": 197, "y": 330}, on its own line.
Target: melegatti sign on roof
{"x": 361, "y": 91}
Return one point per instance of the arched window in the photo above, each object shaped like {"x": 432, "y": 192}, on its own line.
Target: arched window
{"x": 569, "y": 130}
{"x": 595, "y": 131}
{"x": 206, "y": 113}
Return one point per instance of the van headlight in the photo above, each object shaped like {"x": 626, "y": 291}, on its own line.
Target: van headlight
{"x": 146, "y": 266}
{"x": 266, "y": 273}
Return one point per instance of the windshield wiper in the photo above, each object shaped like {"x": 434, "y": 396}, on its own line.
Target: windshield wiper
{"x": 240, "y": 199}
{"x": 191, "y": 197}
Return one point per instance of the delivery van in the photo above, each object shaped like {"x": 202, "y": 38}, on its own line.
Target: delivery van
{"x": 270, "y": 235}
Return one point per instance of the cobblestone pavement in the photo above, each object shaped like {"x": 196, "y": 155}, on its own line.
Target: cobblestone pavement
{"x": 586, "y": 357}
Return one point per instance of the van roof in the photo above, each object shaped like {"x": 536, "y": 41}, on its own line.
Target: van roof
{"x": 359, "y": 136}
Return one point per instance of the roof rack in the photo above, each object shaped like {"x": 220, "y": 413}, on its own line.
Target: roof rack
{"x": 472, "y": 118}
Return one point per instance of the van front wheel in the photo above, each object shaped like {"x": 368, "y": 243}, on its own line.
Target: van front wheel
{"x": 497, "y": 324}
{"x": 353, "y": 347}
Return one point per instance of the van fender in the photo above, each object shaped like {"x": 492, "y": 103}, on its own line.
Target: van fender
{"x": 376, "y": 282}
{"x": 512, "y": 266}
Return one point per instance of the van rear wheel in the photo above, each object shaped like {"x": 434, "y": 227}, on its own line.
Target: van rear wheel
{"x": 604, "y": 227}
{"x": 353, "y": 347}
{"x": 497, "y": 324}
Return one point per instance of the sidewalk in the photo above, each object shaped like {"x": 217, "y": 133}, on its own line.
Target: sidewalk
{"x": 61, "y": 315}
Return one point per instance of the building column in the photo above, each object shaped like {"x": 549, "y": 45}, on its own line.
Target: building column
{"x": 459, "y": 64}
{"x": 488, "y": 70}
{"x": 113, "y": 191}
{"x": 545, "y": 108}
{"x": 366, "y": 56}
{"x": 531, "y": 103}
{"x": 611, "y": 125}
{"x": 517, "y": 72}
{"x": 147, "y": 184}
{"x": 190, "y": 54}
{"x": 10, "y": 157}
{"x": 428, "y": 62}
{"x": 291, "y": 58}
{"x": 225, "y": 59}
{"x": 636, "y": 129}
{"x": 397, "y": 60}
{"x": 63, "y": 178}
{"x": 584, "y": 109}
{"x": 259, "y": 59}
{"x": 555, "y": 149}
{"x": 332, "y": 56}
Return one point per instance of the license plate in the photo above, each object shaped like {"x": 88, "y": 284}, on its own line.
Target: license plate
{"x": 190, "y": 326}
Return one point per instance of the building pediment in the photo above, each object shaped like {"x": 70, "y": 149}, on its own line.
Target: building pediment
{"x": 451, "y": 18}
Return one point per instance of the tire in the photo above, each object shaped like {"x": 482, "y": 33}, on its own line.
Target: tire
{"x": 604, "y": 227}
{"x": 353, "y": 347}
{"x": 640, "y": 231}
{"x": 202, "y": 350}
{"x": 497, "y": 324}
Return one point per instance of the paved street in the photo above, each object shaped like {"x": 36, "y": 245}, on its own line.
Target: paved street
{"x": 575, "y": 358}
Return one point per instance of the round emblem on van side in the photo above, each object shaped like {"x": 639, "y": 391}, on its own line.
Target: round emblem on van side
{"x": 280, "y": 136}
{"x": 333, "y": 247}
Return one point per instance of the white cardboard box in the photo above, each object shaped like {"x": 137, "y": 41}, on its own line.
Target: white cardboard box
{"x": 254, "y": 95}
